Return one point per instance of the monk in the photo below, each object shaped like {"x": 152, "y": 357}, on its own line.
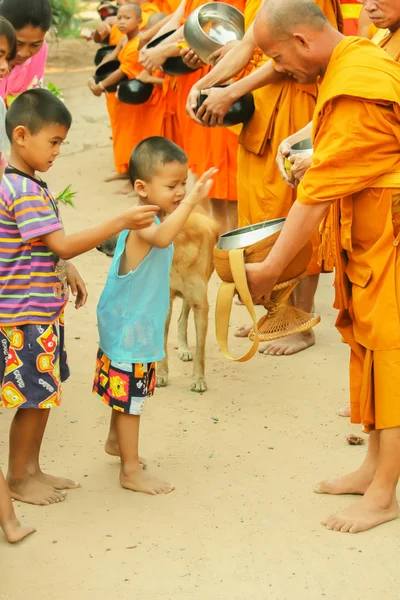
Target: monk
{"x": 262, "y": 194}
{"x": 109, "y": 28}
{"x": 203, "y": 147}
{"x": 133, "y": 123}
{"x": 356, "y": 136}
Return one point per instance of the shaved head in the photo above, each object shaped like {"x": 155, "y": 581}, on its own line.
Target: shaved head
{"x": 285, "y": 16}
{"x": 297, "y": 36}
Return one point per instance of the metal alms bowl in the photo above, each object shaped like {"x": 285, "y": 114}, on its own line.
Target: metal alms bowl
{"x": 211, "y": 26}
{"x": 303, "y": 147}
{"x": 245, "y": 236}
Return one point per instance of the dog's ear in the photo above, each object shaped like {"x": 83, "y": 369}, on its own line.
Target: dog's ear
{"x": 108, "y": 247}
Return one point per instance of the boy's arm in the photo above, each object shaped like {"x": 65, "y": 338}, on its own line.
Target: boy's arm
{"x": 163, "y": 235}
{"x": 69, "y": 246}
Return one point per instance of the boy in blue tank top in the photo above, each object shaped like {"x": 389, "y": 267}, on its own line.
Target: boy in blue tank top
{"x": 134, "y": 304}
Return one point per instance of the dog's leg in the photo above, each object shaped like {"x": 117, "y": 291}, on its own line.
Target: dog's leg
{"x": 183, "y": 348}
{"x": 200, "y": 312}
{"x": 162, "y": 366}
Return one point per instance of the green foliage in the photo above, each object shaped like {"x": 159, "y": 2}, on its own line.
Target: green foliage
{"x": 64, "y": 16}
{"x": 66, "y": 197}
{"x": 55, "y": 90}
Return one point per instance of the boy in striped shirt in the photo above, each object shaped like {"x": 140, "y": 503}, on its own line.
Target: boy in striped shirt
{"x": 34, "y": 280}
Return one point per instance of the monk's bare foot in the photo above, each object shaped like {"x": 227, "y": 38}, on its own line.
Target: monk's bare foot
{"x": 111, "y": 447}
{"x": 369, "y": 512}
{"x": 345, "y": 412}
{"x": 141, "y": 481}
{"x": 127, "y": 189}
{"x": 116, "y": 177}
{"x": 243, "y": 331}
{"x": 238, "y": 302}
{"x": 58, "y": 483}
{"x": 290, "y": 345}
{"x": 15, "y": 532}
{"x": 31, "y": 491}
{"x": 354, "y": 483}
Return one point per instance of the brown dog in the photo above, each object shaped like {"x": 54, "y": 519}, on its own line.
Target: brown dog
{"x": 192, "y": 267}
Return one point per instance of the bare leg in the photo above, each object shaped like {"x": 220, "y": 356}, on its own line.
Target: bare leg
{"x": 183, "y": 351}
{"x": 303, "y": 298}
{"x": 23, "y": 486}
{"x": 111, "y": 445}
{"x": 33, "y": 465}
{"x": 379, "y": 504}
{"x": 132, "y": 476}
{"x": 200, "y": 312}
{"x": 359, "y": 481}
{"x": 162, "y": 366}
{"x": 13, "y": 530}
{"x": 116, "y": 177}
{"x": 232, "y": 214}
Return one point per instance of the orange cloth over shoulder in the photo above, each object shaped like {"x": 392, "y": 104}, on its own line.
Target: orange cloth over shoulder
{"x": 167, "y": 6}
{"x": 148, "y": 9}
{"x": 134, "y": 123}
{"x": 351, "y": 10}
{"x": 262, "y": 193}
{"x": 356, "y": 136}
{"x": 115, "y": 35}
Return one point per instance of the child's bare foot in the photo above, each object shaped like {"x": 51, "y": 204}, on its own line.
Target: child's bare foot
{"x": 116, "y": 177}
{"x": 369, "y": 512}
{"x": 58, "y": 483}
{"x": 140, "y": 481}
{"x": 354, "y": 483}
{"x": 34, "y": 492}
{"x": 345, "y": 412}
{"x": 15, "y": 532}
{"x": 111, "y": 447}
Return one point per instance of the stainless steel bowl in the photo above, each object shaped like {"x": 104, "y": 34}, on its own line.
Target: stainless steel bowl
{"x": 245, "y": 236}
{"x": 303, "y": 147}
{"x": 211, "y": 26}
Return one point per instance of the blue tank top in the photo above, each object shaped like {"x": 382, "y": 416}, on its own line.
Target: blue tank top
{"x": 133, "y": 308}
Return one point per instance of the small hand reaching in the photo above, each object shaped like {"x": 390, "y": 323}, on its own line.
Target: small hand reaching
{"x": 140, "y": 217}
{"x": 202, "y": 187}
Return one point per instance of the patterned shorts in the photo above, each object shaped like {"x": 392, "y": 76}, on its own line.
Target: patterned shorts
{"x": 124, "y": 386}
{"x": 33, "y": 363}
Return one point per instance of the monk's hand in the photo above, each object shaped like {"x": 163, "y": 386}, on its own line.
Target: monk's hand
{"x": 191, "y": 104}
{"x": 260, "y": 283}
{"x": 152, "y": 58}
{"x": 191, "y": 59}
{"x": 95, "y": 88}
{"x": 215, "y": 106}
{"x": 77, "y": 286}
{"x": 219, "y": 54}
{"x": 281, "y": 160}
{"x": 300, "y": 164}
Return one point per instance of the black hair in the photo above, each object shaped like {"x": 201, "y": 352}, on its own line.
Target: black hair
{"x": 150, "y": 154}
{"x": 36, "y": 109}
{"x": 8, "y": 31}
{"x": 22, "y": 13}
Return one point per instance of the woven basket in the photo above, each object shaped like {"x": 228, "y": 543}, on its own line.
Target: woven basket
{"x": 282, "y": 319}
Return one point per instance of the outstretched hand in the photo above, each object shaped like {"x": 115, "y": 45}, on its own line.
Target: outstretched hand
{"x": 214, "y": 108}
{"x": 203, "y": 186}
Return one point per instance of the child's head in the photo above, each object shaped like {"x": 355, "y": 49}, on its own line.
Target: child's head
{"x": 31, "y": 20}
{"x": 158, "y": 171}
{"x": 129, "y": 18}
{"x": 37, "y": 123}
{"x": 154, "y": 19}
{"x": 7, "y": 45}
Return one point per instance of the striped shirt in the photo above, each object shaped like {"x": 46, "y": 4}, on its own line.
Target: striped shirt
{"x": 33, "y": 282}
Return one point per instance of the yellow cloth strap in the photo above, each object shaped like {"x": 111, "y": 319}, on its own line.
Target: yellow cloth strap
{"x": 351, "y": 11}
{"x": 389, "y": 180}
{"x": 223, "y": 306}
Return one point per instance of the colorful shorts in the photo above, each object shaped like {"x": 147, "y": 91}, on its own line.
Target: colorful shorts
{"x": 33, "y": 363}
{"x": 124, "y": 386}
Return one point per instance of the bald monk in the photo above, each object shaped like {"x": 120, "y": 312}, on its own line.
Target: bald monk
{"x": 356, "y": 133}
{"x": 262, "y": 194}
{"x": 108, "y": 28}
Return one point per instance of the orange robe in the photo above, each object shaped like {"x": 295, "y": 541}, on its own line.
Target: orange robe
{"x": 134, "y": 123}
{"x": 356, "y": 137}
{"x": 148, "y": 9}
{"x": 111, "y": 97}
{"x": 207, "y": 147}
{"x": 115, "y": 35}
{"x": 351, "y": 10}
{"x": 282, "y": 108}
{"x": 167, "y": 6}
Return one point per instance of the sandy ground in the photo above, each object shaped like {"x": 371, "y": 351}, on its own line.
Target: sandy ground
{"x": 243, "y": 523}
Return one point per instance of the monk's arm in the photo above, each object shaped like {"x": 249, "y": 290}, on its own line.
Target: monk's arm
{"x": 300, "y": 225}
{"x": 364, "y": 23}
{"x": 167, "y": 24}
{"x": 113, "y": 79}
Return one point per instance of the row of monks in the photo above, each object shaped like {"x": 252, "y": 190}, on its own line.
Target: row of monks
{"x": 245, "y": 160}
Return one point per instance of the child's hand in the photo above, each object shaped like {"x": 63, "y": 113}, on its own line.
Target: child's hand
{"x": 202, "y": 187}
{"x": 95, "y": 88}
{"x": 140, "y": 217}
{"x": 77, "y": 285}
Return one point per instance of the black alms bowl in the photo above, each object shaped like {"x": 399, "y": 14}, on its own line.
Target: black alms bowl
{"x": 103, "y": 71}
{"x": 173, "y": 65}
{"x": 132, "y": 91}
{"x": 102, "y": 53}
{"x": 241, "y": 110}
